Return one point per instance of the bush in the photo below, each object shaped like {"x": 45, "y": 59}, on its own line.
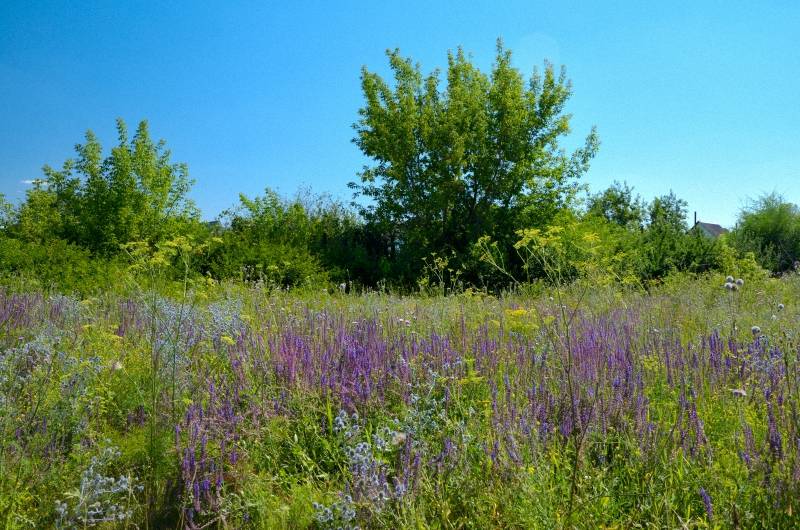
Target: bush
{"x": 57, "y": 265}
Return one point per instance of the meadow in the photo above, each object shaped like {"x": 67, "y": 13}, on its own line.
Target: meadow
{"x": 233, "y": 406}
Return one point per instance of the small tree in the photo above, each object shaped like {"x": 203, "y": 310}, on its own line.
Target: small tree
{"x": 660, "y": 245}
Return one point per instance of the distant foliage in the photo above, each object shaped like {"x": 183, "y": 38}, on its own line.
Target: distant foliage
{"x": 289, "y": 242}
{"x": 57, "y": 264}
{"x": 618, "y": 205}
{"x": 770, "y": 229}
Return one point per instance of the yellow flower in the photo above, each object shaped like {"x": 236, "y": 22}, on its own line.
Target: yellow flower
{"x": 227, "y": 340}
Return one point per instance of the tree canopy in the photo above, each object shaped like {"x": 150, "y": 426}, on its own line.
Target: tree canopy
{"x": 617, "y": 204}
{"x": 770, "y": 228}
{"x": 478, "y": 154}
{"x": 136, "y": 193}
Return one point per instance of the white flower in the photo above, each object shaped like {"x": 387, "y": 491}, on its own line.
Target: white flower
{"x": 738, "y": 392}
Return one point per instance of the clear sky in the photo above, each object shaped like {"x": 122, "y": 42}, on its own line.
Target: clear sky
{"x": 699, "y": 97}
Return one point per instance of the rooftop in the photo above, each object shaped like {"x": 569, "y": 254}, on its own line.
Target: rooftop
{"x": 710, "y": 229}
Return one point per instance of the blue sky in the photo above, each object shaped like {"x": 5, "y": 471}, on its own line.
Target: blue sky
{"x": 698, "y": 97}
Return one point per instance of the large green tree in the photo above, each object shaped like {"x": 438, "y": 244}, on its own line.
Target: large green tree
{"x": 478, "y": 154}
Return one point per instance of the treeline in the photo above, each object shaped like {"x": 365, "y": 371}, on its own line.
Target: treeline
{"x": 469, "y": 181}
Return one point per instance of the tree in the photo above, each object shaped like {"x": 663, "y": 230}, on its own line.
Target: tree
{"x": 479, "y": 155}
{"x": 662, "y": 244}
{"x": 668, "y": 212}
{"x": 135, "y": 193}
{"x": 6, "y": 213}
{"x": 770, "y": 228}
{"x": 618, "y": 205}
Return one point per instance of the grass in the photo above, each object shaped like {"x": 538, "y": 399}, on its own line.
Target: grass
{"x": 239, "y": 407}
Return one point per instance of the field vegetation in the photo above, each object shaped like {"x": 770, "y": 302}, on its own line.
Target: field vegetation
{"x": 242, "y": 406}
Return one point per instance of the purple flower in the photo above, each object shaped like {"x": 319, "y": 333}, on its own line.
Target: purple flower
{"x": 707, "y": 503}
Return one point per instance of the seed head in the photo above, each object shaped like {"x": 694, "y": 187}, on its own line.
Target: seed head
{"x": 739, "y": 282}
{"x": 780, "y": 307}
{"x": 729, "y": 279}
{"x": 756, "y": 330}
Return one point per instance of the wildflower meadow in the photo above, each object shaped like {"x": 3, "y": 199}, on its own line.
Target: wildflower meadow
{"x": 233, "y": 406}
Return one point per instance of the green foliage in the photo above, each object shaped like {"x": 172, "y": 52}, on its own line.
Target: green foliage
{"x": 135, "y": 193}
{"x": 438, "y": 275}
{"x": 273, "y": 240}
{"x": 770, "y": 229}
{"x": 667, "y": 212}
{"x": 6, "y": 213}
{"x": 618, "y": 205}
{"x": 464, "y": 164}
{"x": 478, "y": 156}
{"x": 570, "y": 248}
{"x": 58, "y": 265}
